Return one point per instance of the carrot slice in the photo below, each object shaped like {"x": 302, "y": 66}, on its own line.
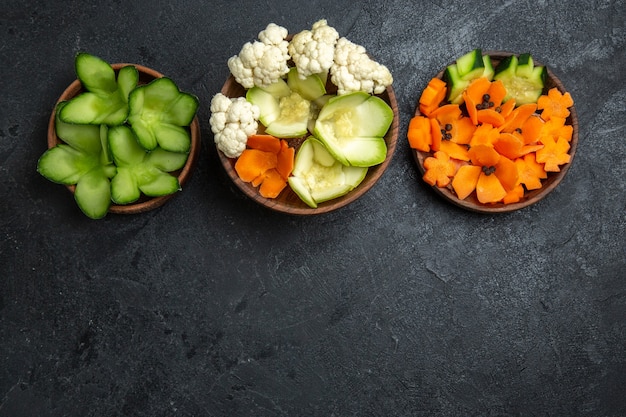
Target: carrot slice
{"x": 465, "y": 180}
{"x": 435, "y": 135}
{"x": 433, "y": 95}
{"x": 484, "y": 134}
{"x": 554, "y": 104}
{"x": 419, "y": 133}
{"x": 509, "y": 145}
{"x": 531, "y": 129}
{"x": 553, "y": 154}
{"x": 464, "y": 131}
{"x": 506, "y": 171}
{"x": 473, "y": 96}
{"x": 518, "y": 116}
{"x": 285, "y": 159}
{"x": 267, "y": 143}
{"x": 489, "y": 189}
{"x": 489, "y": 116}
{"x": 497, "y": 92}
{"x": 454, "y": 150}
{"x": 273, "y": 183}
{"x": 439, "y": 169}
{"x": 514, "y": 195}
{"x": 507, "y": 107}
{"x": 484, "y": 155}
{"x": 253, "y": 162}
{"x": 530, "y": 172}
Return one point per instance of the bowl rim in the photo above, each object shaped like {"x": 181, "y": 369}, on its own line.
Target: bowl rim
{"x": 144, "y": 204}
{"x": 373, "y": 175}
{"x": 533, "y": 197}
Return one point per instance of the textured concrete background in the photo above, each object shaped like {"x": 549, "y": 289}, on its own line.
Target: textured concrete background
{"x": 397, "y": 305}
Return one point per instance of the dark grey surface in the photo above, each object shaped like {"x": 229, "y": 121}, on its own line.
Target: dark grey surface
{"x": 397, "y": 305}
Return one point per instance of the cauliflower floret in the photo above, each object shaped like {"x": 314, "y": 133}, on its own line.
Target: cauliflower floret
{"x": 262, "y": 62}
{"x": 353, "y": 70}
{"x": 312, "y": 51}
{"x": 232, "y": 121}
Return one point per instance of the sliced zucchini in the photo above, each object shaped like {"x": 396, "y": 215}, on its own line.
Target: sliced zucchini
{"x": 317, "y": 176}
{"x": 352, "y": 128}
{"x": 311, "y": 88}
{"x": 285, "y": 117}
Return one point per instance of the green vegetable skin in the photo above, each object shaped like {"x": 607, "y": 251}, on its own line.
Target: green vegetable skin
{"x": 102, "y": 153}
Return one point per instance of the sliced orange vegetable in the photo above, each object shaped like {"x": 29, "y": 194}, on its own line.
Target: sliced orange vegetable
{"x": 484, "y": 155}
{"x": 556, "y": 128}
{"x": 473, "y": 96}
{"x": 497, "y": 92}
{"x": 554, "y": 104}
{"x": 489, "y": 189}
{"x": 432, "y": 96}
{"x": 509, "y": 145}
{"x": 507, "y": 107}
{"x": 266, "y": 163}
{"x": 514, "y": 195}
{"x": 553, "y": 154}
{"x": 465, "y": 180}
{"x": 531, "y": 129}
{"x": 464, "y": 131}
{"x": 419, "y": 133}
{"x": 435, "y": 135}
{"x": 518, "y": 116}
{"x": 273, "y": 183}
{"x": 253, "y": 163}
{"x": 439, "y": 169}
{"x": 454, "y": 150}
{"x": 490, "y": 116}
{"x": 506, "y": 171}
{"x": 266, "y": 143}
{"x": 285, "y": 159}
{"x": 530, "y": 172}
{"x": 484, "y": 134}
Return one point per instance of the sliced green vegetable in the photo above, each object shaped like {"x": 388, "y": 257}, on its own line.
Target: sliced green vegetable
{"x": 140, "y": 171}
{"x": 159, "y": 113}
{"x": 352, "y": 127}
{"x": 284, "y": 117}
{"x": 105, "y": 101}
{"x": 311, "y": 88}
{"x": 317, "y": 176}
{"x": 471, "y": 65}
{"x": 523, "y": 80}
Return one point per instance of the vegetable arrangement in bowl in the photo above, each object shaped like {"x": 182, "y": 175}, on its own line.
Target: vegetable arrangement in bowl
{"x": 494, "y": 132}
{"x": 305, "y": 123}
{"x": 123, "y": 138}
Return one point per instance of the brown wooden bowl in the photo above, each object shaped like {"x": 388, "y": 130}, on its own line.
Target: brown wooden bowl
{"x": 530, "y": 197}
{"x": 144, "y": 203}
{"x": 288, "y": 201}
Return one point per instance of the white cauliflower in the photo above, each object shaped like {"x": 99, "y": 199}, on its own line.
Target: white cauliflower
{"x": 232, "y": 121}
{"x": 353, "y": 70}
{"x": 262, "y": 62}
{"x": 312, "y": 51}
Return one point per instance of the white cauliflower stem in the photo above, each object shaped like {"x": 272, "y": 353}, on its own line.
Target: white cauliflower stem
{"x": 312, "y": 51}
{"x": 232, "y": 121}
{"x": 353, "y": 70}
{"x": 262, "y": 62}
